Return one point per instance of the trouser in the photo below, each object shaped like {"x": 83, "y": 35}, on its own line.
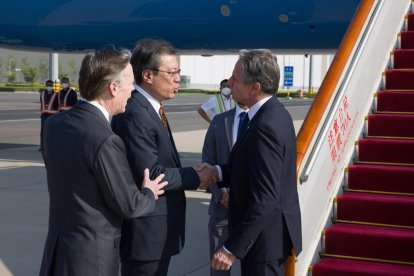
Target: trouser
{"x": 269, "y": 268}
{"x": 145, "y": 268}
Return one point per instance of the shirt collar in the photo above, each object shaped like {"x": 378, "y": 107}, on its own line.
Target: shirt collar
{"x": 238, "y": 111}
{"x": 100, "y": 107}
{"x": 155, "y": 104}
{"x": 254, "y": 108}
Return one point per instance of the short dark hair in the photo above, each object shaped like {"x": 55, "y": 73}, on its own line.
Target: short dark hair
{"x": 146, "y": 55}
{"x": 99, "y": 68}
{"x": 260, "y": 65}
{"x": 223, "y": 81}
{"x": 49, "y": 82}
{"x": 64, "y": 79}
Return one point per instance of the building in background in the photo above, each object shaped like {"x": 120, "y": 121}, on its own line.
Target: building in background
{"x": 203, "y": 72}
{"x": 207, "y": 72}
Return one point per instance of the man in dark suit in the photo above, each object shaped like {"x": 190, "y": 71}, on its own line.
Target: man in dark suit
{"x": 149, "y": 242}
{"x": 265, "y": 221}
{"x": 91, "y": 188}
{"x": 220, "y": 138}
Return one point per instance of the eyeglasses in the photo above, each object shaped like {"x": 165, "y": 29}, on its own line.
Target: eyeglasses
{"x": 171, "y": 73}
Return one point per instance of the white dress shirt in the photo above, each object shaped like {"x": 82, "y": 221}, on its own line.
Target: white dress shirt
{"x": 155, "y": 104}
{"x": 100, "y": 107}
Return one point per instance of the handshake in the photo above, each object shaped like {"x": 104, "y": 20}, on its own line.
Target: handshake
{"x": 208, "y": 174}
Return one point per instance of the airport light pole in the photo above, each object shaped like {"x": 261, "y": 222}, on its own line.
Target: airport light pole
{"x": 53, "y": 67}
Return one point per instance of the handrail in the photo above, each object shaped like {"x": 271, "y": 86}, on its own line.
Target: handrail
{"x": 325, "y": 93}
{"x": 339, "y": 93}
{"x": 330, "y": 81}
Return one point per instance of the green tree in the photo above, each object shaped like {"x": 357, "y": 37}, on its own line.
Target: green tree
{"x": 30, "y": 73}
{"x": 11, "y": 73}
{"x": 11, "y": 77}
{"x": 1, "y": 65}
{"x": 43, "y": 68}
{"x": 61, "y": 74}
{"x": 73, "y": 69}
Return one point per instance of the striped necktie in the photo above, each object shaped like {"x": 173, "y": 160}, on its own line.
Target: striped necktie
{"x": 163, "y": 117}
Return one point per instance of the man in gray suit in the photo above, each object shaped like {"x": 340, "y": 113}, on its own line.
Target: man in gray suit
{"x": 90, "y": 184}
{"x": 220, "y": 138}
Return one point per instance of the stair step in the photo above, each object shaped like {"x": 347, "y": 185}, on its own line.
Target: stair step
{"x": 375, "y": 208}
{"x": 373, "y": 242}
{"x": 395, "y": 101}
{"x": 410, "y": 22}
{"x": 343, "y": 267}
{"x": 391, "y": 125}
{"x": 399, "y": 79}
{"x": 389, "y": 151}
{"x": 407, "y": 39}
{"x": 403, "y": 59}
{"x": 394, "y": 179}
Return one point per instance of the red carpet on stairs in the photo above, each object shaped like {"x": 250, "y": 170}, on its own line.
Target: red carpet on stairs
{"x": 403, "y": 59}
{"x": 380, "y": 178}
{"x": 391, "y": 125}
{"x": 373, "y": 226}
{"x": 399, "y": 79}
{"x": 407, "y": 40}
{"x": 374, "y": 242}
{"x": 376, "y": 208}
{"x": 386, "y": 150}
{"x": 344, "y": 267}
{"x": 395, "y": 101}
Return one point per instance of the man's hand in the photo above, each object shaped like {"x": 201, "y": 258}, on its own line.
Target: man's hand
{"x": 208, "y": 175}
{"x": 222, "y": 260}
{"x": 224, "y": 199}
{"x": 154, "y": 185}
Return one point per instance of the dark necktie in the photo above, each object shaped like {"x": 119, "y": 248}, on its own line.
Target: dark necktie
{"x": 243, "y": 121}
{"x": 163, "y": 117}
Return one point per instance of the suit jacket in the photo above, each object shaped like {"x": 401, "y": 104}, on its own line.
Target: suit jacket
{"x": 216, "y": 150}
{"x": 161, "y": 233}
{"x": 91, "y": 190}
{"x": 264, "y": 213}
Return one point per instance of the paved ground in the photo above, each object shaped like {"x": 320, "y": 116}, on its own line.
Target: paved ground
{"x": 24, "y": 196}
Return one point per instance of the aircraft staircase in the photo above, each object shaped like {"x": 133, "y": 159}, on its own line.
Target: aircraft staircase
{"x": 373, "y": 219}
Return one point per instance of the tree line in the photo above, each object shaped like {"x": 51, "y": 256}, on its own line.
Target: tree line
{"x": 33, "y": 72}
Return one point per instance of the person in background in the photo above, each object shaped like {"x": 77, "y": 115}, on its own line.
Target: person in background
{"x": 49, "y": 105}
{"x": 217, "y": 104}
{"x": 221, "y": 135}
{"x": 91, "y": 188}
{"x": 67, "y": 95}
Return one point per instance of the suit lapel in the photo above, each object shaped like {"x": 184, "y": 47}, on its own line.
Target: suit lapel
{"x": 167, "y": 135}
{"x": 175, "y": 152}
{"x": 83, "y": 105}
{"x": 251, "y": 125}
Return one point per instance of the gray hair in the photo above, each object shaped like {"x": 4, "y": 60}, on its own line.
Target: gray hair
{"x": 260, "y": 65}
{"x": 99, "y": 68}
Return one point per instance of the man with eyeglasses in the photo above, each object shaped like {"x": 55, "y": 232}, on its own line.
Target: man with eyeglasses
{"x": 148, "y": 243}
